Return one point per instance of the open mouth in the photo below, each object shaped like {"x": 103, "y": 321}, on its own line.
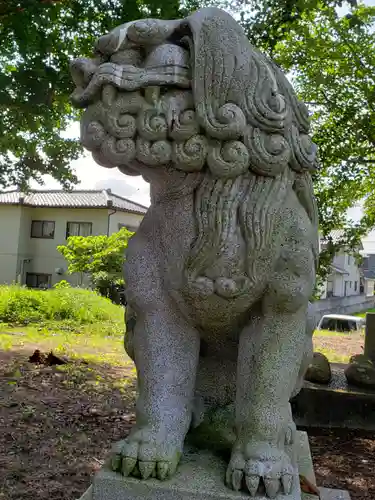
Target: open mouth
{"x": 167, "y": 65}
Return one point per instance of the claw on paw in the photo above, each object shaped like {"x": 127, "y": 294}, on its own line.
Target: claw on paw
{"x": 272, "y": 486}
{"x": 128, "y": 465}
{"x": 116, "y": 463}
{"x": 146, "y": 469}
{"x": 162, "y": 470}
{"x": 252, "y": 483}
{"x": 138, "y": 458}
{"x": 265, "y": 469}
{"x": 237, "y": 479}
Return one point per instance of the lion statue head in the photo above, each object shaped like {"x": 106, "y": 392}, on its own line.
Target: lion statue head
{"x": 193, "y": 95}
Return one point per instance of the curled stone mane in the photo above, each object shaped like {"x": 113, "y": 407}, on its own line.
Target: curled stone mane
{"x": 246, "y": 98}
{"x": 245, "y": 101}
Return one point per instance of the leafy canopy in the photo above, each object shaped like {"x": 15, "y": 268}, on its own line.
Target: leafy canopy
{"x": 38, "y": 38}
{"x": 328, "y": 49}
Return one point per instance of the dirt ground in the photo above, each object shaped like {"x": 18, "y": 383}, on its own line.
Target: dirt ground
{"x": 58, "y": 423}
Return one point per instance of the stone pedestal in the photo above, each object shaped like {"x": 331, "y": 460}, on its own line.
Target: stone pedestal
{"x": 200, "y": 476}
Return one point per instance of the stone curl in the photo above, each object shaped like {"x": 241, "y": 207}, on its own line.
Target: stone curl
{"x": 124, "y": 126}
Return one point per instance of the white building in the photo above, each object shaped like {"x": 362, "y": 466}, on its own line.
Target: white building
{"x": 32, "y": 226}
{"x": 345, "y": 277}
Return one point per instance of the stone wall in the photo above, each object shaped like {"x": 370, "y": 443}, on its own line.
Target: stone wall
{"x": 342, "y": 305}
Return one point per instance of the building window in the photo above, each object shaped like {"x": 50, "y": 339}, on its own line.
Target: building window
{"x": 78, "y": 229}
{"x": 43, "y": 229}
{"x": 34, "y": 280}
{"x": 130, "y": 228}
{"x": 349, "y": 259}
{"x": 355, "y": 286}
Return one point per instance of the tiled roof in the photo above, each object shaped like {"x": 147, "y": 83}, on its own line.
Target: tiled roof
{"x": 338, "y": 270}
{"x": 72, "y": 199}
{"x": 336, "y": 236}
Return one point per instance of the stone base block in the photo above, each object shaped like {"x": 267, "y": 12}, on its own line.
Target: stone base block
{"x": 200, "y": 476}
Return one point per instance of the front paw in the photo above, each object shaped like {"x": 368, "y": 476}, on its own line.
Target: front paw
{"x": 144, "y": 455}
{"x": 260, "y": 466}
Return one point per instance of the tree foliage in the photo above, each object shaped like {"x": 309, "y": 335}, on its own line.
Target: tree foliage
{"x": 101, "y": 258}
{"x": 327, "y": 47}
{"x": 38, "y": 38}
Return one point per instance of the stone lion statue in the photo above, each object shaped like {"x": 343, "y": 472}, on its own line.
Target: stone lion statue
{"x": 220, "y": 272}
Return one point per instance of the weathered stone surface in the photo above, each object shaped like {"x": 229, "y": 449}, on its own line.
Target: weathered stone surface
{"x": 325, "y": 494}
{"x": 197, "y": 478}
{"x": 220, "y": 272}
{"x": 319, "y": 369}
{"x": 88, "y": 495}
{"x": 360, "y": 371}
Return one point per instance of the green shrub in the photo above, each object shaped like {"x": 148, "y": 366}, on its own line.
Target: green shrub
{"x": 62, "y": 284}
{"x": 23, "y": 305}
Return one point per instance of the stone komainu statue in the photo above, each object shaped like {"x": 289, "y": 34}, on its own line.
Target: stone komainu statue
{"x": 220, "y": 272}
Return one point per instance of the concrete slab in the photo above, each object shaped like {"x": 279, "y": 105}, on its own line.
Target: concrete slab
{"x": 325, "y": 494}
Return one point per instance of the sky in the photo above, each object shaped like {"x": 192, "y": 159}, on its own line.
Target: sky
{"x": 92, "y": 176}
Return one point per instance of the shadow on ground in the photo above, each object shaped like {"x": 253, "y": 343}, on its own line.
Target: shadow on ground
{"x": 58, "y": 423}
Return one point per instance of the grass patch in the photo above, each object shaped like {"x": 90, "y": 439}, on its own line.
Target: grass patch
{"x": 332, "y": 355}
{"x": 100, "y": 343}
{"x": 329, "y": 333}
{"x": 363, "y": 314}
{"x": 75, "y": 322}
{"x": 24, "y": 306}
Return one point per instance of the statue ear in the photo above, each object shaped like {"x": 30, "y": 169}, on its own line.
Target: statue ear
{"x": 216, "y": 44}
